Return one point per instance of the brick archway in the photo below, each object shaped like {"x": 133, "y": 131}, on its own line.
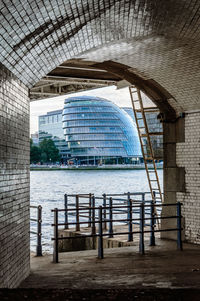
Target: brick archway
{"x": 158, "y": 40}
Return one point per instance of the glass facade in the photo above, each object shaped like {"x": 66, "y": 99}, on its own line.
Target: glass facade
{"x": 96, "y": 127}
{"x": 154, "y": 125}
{"x": 50, "y": 127}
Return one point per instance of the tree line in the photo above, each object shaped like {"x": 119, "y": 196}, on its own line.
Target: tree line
{"x": 46, "y": 152}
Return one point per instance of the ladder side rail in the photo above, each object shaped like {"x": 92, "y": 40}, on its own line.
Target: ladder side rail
{"x": 141, "y": 110}
{"x": 150, "y": 144}
{"x": 140, "y": 138}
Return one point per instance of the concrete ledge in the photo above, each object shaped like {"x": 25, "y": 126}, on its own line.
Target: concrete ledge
{"x": 89, "y": 243}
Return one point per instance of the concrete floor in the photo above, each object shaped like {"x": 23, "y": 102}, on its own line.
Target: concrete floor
{"x": 162, "y": 266}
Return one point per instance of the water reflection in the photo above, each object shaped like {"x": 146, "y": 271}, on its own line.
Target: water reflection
{"x": 49, "y": 187}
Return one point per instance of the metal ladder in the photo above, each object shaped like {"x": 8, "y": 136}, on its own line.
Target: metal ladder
{"x": 143, "y": 132}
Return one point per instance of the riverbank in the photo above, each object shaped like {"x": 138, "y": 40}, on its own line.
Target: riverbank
{"x": 105, "y": 167}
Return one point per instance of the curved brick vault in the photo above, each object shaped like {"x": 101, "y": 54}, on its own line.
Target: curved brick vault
{"x": 151, "y": 43}
{"x": 157, "y": 39}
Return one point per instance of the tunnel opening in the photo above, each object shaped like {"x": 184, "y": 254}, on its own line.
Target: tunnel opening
{"x": 61, "y": 75}
{"x": 166, "y": 112}
{"x": 153, "y": 45}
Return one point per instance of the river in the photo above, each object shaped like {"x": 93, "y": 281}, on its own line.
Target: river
{"x": 48, "y": 189}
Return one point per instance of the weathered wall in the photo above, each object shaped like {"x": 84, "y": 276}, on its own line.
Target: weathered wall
{"x": 174, "y": 175}
{"x": 14, "y": 180}
{"x": 188, "y": 156}
{"x": 182, "y": 174}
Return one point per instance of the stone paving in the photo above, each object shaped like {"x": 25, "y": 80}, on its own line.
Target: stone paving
{"x": 162, "y": 266}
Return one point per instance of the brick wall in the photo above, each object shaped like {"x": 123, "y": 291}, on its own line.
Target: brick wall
{"x": 188, "y": 156}
{"x": 14, "y": 180}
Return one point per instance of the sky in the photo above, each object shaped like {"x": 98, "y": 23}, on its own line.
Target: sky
{"x": 41, "y": 107}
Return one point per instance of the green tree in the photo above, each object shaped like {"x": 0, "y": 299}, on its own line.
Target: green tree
{"x": 49, "y": 152}
{"x": 35, "y": 153}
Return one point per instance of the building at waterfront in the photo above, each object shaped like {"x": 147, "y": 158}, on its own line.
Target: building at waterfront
{"x": 129, "y": 111}
{"x": 154, "y": 126}
{"x": 91, "y": 134}
{"x": 35, "y": 138}
{"x": 50, "y": 127}
{"x": 97, "y": 131}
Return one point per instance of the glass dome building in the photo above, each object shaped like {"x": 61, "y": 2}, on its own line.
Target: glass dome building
{"x": 96, "y": 129}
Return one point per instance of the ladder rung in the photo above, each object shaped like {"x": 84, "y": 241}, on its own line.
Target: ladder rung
{"x": 156, "y": 133}
{"x": 152, "y": 134}
{"x": 151, "y": 108}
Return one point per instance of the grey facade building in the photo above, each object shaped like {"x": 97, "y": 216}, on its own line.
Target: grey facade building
{"x": 50, "y": 127}
{"x": 35, "y": 138}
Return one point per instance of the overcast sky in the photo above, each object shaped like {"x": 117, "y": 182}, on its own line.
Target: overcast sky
{"x": 119, "y": 97}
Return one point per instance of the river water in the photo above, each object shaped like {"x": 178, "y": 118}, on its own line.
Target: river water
{"x": 48, "y": 189}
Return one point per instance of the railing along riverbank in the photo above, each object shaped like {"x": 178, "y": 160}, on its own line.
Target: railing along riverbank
{"x": 109, "y": 210}
{"x": 89, "y": 200}
{"x": 38, "y": 222}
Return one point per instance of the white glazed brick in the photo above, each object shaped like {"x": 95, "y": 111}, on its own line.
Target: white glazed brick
{"x": 159, "y": 42}
{"x": 188, "y": 156}
{"x": 14, "y": 180}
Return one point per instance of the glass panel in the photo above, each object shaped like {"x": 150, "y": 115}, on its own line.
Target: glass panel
{"x": 92, "y": 130}
{"x": 83, "y": 122}
{"x": 92, "y": 116}
{"x": 91, "y": 109}
{"x": 80, "y": 144}
{"x": 98, "y": 136}
{"x": 99, "y": 152}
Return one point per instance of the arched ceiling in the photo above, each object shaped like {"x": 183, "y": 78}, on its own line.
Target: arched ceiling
{"x": 157, "y": 39}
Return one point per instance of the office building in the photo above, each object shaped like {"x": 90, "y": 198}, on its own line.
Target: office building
{"x": 97, "y": 130}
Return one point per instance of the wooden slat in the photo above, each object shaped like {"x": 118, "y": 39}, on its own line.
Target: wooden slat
{"x": 153, "y": 134}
